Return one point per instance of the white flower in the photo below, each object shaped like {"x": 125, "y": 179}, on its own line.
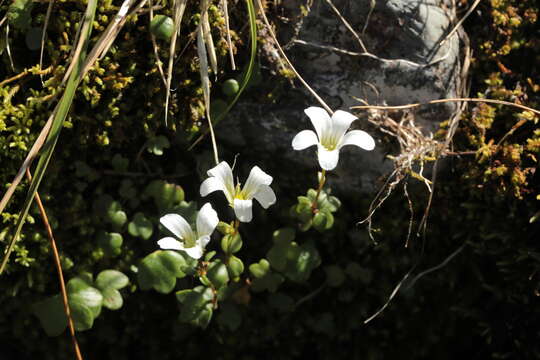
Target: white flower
{"x": 256, "y": 187}
{"x": 193, "y": 243}
{"x": 331, "y": 135}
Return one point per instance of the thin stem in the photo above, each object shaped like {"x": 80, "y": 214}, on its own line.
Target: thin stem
{"x": 438, "y": 101}
{"x": 276, "y": 42}
{"x": 322, "y": 180}
{"x": 59, "y": 270}
{"x": 236, "y": 226}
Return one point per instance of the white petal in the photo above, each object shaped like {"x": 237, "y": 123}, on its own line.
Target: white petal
{"x": 242, "y": 210}
{"x": 304, "y": 139}
{"x": 359, "y": 138}
{"x": 207, "y": 220}
{"x": 170, "y": 243}
{"x": 341, "y": 121}
{"x": 178, "y": 226}
{"x": 328, "y": 159}
{"x": 256, "y": 179}
{"x": 319, "y": 118}
{"x": 265, "y": 196}
{"x": 210, "y": 185}
{"x": 195, "y": 252}
{"x": 223, "y": 173}
{"x": 203, "y": 241}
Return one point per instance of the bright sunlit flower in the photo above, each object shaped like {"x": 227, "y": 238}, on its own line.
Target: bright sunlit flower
{"x": 193, "y": 243}
{"x": 331, "y": 135}
{"x": 241, "y": 199}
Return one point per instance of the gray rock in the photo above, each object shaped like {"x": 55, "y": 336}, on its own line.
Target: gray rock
{"x": 405, "y": 64}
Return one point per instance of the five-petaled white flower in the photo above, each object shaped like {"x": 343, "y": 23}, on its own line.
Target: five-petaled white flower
{"x": 241, "y": 199}
{"x": 193, "y": 243}
{"x": 331, "y": 135}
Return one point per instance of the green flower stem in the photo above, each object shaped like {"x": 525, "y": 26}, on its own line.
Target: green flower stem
{"x": 236, "y": 226}
{"x": 321, "y": 184}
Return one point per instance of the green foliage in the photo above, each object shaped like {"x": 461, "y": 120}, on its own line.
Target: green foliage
{"x": 166, "y": 196}
{"x": 19, "y": 14}
{"x": 231, "y": 243}
{"x": 109, "y": 282}
{"x": 160, "y": 269}
{"x": 315, "y": 210}
{"x": 309, "y": 289}
{"x": 140, "y": 226}
{"x": 85, "y": 301}
{"x": 157, "y": 144}
{"x": 197, "y": 306}
{"x": 230, "y": 87}
{"x": 162, "y": 27}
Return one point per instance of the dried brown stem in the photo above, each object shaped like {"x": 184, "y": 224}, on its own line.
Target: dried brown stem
{"x": 438, "y": 101}
{"x": 59, "y": 270}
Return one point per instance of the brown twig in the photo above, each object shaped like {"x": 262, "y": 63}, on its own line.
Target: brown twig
{"x": 348, "y": 26}
{"x": 24, "y": 73}
{"x": 438, "y": 101}
{"x": 59, "y": 270}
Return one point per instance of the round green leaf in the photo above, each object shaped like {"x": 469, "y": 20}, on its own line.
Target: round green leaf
{"x": 112, "y": 299}
{"x": 217, "y": 273}
{"x": 230, "y": 87}
{"x": 162, "y": 27}
{"x": 111, "y": 279}
{"x": 157, "y": 144}
{"x": 235, "y": 267}
{"x": 320, "y": 221}
{"x": 140, "y": 226}
{"x": 51, "y": 315}
{"x": 260, "y": 269}
{"x": 110, "y": 243}
{"x": 160, "y": 269}
{"x": 89, "y": 297}
{"x": 83, "y": 316}
{"x": 117, "y": 219}
{"x": 277, "y": 256}
{"x": 284, "y": 235}
{"x": 231, "y": 243}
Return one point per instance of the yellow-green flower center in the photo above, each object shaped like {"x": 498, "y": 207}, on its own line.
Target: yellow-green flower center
{"x": 238, "y": 193}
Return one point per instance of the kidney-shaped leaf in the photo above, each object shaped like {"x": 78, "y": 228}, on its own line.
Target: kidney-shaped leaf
{"x": 160, "y": 269}
{"x": 111, "y": 279}
{"x": 50, "y": 313}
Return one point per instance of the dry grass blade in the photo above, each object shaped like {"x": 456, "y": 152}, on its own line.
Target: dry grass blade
{"x": 58, "y": 265}
{"x": 347, "y": 25}
{"x": 392, "y": 295}
{"x": 205, "y": 81}
{"x": 59, "y": 115}
{"x": 203, "y": 64}
{"x": 75, "y": 51}
{"x": 159, "y": 63}
{"x": 248, "y": 73}
{"x": 273, "y": 35}
{"x": 228, "y": 30}
{"x": 109, "y": 35}
{"x": 43, "y": 34}
{"x": 438, "y": 101}
{"x": 8, "y": 49}
{"x": 456, "y": 27}
{"x": 211, "y": 50}
{"x": 179, "y": 8}
{"x": 99, "y": 49}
